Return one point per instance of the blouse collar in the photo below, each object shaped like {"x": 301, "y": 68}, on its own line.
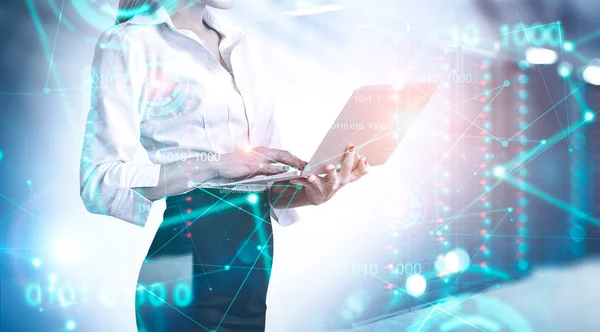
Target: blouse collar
{"x": 221, "y": 24}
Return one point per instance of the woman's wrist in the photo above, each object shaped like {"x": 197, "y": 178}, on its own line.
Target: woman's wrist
{"x": 216, "y": 168}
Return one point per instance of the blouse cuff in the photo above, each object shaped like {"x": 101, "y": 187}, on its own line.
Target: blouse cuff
{"x": 131, "y": 206}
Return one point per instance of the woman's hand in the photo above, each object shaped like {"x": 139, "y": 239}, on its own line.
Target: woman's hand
{"x": 320, "y": 189}
{"x": 256, "y": 161}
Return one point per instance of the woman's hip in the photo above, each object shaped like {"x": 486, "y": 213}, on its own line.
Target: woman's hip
{"x": 209, "y": 262}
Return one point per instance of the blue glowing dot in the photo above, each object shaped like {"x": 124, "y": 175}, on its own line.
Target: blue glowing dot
{"x": 589, "y": 116}
{"x": 523, "y": 218}
{"x": 395, "y": 292}
{"x": 505, "y": 144}
{"x": 523, "y": 79}
{"x": 260, "y": 165}
{"x": 499, "y": 171}
{"x": 338, "y": 166}
{"x": 568, "y": 46}
{"x": 41, "y": 309}
{"x": 46, "y": 90}
{"x": 210, "y": 289}
{"x": 544, "y": 142}
{"x": 395, "y": 251}
{"x": 523, "y": 247}
{"x": 523, "y": 264}
{"x": 506, "y": 83}
{"x": 570, "y": 149}
{"x": 523, "y": 232}
{"x": 298, "y": 187}
{"x": 227, "y": 267}
{"x": 1, "y": 155}
{"x": 70, "y": 326}
{"x": 252, "y": 198}
{"x": 259, "y": 247}
{"x": 523, "y": 94}
{"x": 191, "y": 183}
{"x": 510, "y": 209}
{"x": 523, "y": 140}
{"x": 28, "y": 182}
{"x": 36, "y": 262}
{"x": 577, "y": 233}
{"x": 523, "y": 109}
{"x": 523, "y": 201}
{"x": 416, "y": 285}
{"x": 578, "y": 141}
{"x": 523, "y": 64}
{"x": 565, "y": 69}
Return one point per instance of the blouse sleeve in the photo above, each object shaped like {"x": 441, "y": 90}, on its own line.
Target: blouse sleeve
{"x": 284, "y": 216}
{"x": 108, "y": 170}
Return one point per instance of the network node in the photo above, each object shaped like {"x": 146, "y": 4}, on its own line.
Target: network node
{"x": 589, "y": 116}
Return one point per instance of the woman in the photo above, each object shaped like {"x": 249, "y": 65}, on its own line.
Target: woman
{"x": 185, "y": 84}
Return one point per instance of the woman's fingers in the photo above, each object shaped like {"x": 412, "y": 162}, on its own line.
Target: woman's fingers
{"x": 311, "y": 181}
{"x": 348, "y": 162}
{"x": 272, "y": 169}
{"x": 280, "y": 156}
{"x": 331, "y": 177}
{"x": 290, "y": 159}
{"x": 362, "y": 168}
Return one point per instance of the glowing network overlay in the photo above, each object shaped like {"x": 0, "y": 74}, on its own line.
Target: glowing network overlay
{"x": 461, "y": 227}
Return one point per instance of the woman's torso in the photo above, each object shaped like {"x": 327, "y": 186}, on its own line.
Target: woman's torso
{"x": 191, "y": 105}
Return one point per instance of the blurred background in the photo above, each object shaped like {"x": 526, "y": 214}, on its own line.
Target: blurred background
{"x": 487, "y": 217}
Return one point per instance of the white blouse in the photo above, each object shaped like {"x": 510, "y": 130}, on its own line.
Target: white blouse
{"x": 160, "y": 89}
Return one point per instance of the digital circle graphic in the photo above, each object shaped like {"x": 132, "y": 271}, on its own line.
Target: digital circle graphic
{"x": 470, "y": 314}
{"x": 167, "y": 96}
{"x": 403, "y": 208}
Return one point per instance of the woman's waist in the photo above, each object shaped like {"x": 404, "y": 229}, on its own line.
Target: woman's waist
{"x": 200, "y": 196}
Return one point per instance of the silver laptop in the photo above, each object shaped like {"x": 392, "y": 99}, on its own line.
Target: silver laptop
{"x": 375, "y": 119}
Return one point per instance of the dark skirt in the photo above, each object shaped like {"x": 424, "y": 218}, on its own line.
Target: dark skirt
{"x": 209, "y": 264}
